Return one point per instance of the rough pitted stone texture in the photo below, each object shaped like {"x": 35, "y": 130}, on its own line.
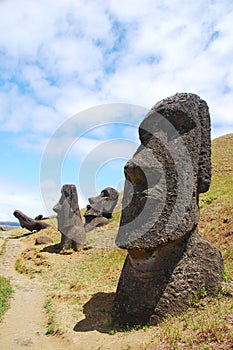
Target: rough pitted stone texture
{"x": 29, "y": 223}
{"x": 95, "y": 221}
{"x": 168, "y": 260}
{"x": 69, "y": 219}
{"x": 100, "y": 208}
{"x": 43, "y": 240}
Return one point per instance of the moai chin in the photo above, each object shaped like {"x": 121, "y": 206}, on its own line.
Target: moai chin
{"x": 168, "y": 260}
{"x": 69, "y": 219}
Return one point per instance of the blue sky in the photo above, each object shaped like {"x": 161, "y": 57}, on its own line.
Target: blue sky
{"x": 60, "y": 58}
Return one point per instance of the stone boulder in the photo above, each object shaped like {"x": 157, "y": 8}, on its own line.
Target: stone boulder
{"x": 43, "y": 240}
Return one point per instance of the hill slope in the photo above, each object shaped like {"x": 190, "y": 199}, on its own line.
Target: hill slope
{"x": 80, "y": 286}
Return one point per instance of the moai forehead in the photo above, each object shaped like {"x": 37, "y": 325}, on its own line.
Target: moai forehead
{"x": 166, "y": 174}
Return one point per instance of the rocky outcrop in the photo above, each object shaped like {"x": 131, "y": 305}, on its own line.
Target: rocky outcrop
{"x": 43, "y": 240}
{"x": 168, "y": 260}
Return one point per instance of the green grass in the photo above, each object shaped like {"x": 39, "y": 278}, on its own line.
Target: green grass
{"x": 5, "y": 293}
{"x": 2, "y": 245}
{"x": 50, "y": 323}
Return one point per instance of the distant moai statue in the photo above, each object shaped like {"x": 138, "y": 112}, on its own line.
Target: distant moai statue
{"x": 168, "y": 260}
{"x": 100, "y": 208}
{"x": 29, "y": 223}
{"x": 69, "y": 219}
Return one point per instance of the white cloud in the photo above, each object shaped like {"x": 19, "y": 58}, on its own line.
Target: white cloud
{"x": 19, "y": 195}
{"x": 58, "y": 58}
{"x": 71, "y": 55}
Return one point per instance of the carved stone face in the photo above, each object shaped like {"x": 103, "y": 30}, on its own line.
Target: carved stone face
{"x": 67, "y": 208}
{"x": 166, "y": 174}
{"x": 103, "y": 204}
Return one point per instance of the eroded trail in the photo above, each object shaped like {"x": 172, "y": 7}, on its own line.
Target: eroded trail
{"x": 24, "y": 324}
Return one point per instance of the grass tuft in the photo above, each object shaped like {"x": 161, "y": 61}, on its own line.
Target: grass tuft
{"x": 5, "y": 293}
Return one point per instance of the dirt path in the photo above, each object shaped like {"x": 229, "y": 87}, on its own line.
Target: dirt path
{"x": 24, "y": 324}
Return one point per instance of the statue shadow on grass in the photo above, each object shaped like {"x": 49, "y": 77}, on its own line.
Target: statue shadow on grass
{"x": 97, "y": 314}
{"x": 54, "y": 248}
{"x": 22, "y": 235}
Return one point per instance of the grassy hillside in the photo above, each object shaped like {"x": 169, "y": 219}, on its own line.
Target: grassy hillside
{"x": 80, "y": 286}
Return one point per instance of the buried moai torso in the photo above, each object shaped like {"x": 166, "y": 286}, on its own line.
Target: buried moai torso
{"x": 69, "y": 219}
{"x": 100, "y": 208}
{"x": 168, "y": 260}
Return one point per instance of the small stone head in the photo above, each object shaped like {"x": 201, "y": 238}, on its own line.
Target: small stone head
{"x": 103, "y": 204}
{"x": 67, "y": 208}
{"x": 166, "y": 174}
{"x": 69, "y": 197}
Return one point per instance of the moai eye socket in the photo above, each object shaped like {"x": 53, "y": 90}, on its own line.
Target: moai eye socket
{"x": 104, "y": 193}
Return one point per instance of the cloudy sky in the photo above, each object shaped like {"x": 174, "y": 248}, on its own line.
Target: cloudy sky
{"x": 61, "y": 58}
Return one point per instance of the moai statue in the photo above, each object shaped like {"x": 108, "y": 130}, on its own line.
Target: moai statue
{"x": 69, "y": 219}
{"x": 100, "y": 208}
{"x": 29, "y": 223}
{"x": 168, "y": 260}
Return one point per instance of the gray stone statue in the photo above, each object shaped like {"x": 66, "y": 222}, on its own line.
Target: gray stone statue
{"x": 29, "y": 223}
{"x": 168, "y": 260}
{"x": 100, "y": 208}
{"x": 69, "y": 219}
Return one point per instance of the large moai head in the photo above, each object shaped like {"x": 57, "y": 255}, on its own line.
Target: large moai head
{"x": 166, "y": 174}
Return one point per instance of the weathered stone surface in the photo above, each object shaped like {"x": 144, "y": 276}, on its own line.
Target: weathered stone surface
{"x": 168, "y": 260}
{"x": 29, "y": 223}
{"x": 43, "y": 240}
{"x": 95, "y": 221}
{"x": 69, "y": 219}
{"x": 100, "y": 208}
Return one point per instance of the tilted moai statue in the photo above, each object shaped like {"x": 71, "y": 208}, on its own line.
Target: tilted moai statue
{"x": 168, "y": 260}
{"x": 69, "y": 219}
{"x": 29, "y": 223}
{"x": 100, "y": 208}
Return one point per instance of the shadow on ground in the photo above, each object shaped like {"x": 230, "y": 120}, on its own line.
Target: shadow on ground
{"x": 97, "y": 314}
{"x": 55, "y": 248}
{"x": 21, "y": 236}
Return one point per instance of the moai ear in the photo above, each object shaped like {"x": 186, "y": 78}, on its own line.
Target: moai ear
{"x": 204, "y": 164}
